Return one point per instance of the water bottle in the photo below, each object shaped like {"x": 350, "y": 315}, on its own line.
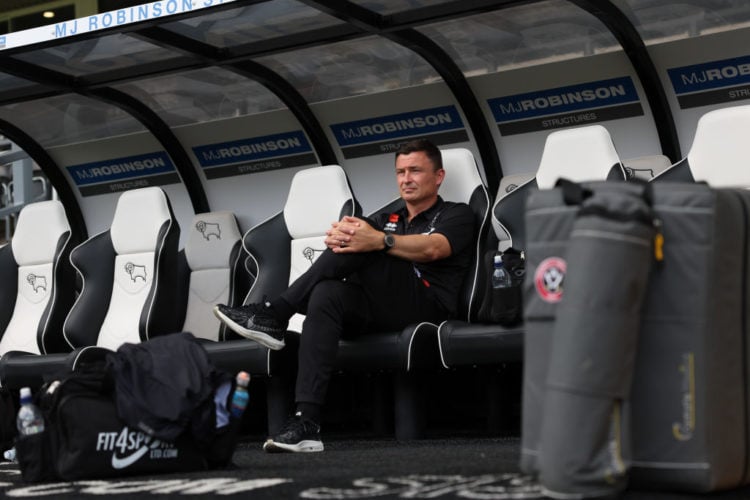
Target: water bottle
{"x": 500, "y": 276}
{"x": 240, "y": 396}
{"x": 30, "y": 419}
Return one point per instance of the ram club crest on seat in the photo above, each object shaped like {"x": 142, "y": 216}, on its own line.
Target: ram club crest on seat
{"x": 208, "y": 229}
{"x": 632, "y": 173}
{"x": 136, "y": 271}
{"x": 309, "y": 253}
{"x": 37, "y": 282}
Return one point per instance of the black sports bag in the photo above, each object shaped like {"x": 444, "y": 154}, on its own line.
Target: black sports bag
{"x": 84, "y": 438}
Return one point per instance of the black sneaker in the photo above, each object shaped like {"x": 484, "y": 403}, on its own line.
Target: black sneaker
{"x": 238, "y": 314}
{"x": 298, "y": 435}
{"x": 255, "y": 322}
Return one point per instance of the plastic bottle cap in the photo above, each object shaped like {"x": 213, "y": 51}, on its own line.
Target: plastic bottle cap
{"x": 25, "y": 392}
{"x": 243, "y": 379}
{"x": 498, "y": 259}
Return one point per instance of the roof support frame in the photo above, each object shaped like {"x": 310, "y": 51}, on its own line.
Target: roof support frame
{"x": 49, "y": 79}
{"x": 465, "y": 97}
{"x": 635, "y": 48}
{"x": 163, "y": 133}
{"x": 445, "y": 11}
{"x": 442, "y": 63}
{"x": 259, "y": 73}
{"x": 368, "y": 20}
{"x": 53, "y": 172}
{"x": 296, "y": 104}
{"x": 349, "y": 12}
{"x": 145, "y": 115}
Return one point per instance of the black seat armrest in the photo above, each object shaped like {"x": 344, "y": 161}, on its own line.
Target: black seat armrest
{"x": 463, "y": 343}
{"x": 413, "y": 348}
{"x": 24, "y": 369}
{"x": 243, "y": 354}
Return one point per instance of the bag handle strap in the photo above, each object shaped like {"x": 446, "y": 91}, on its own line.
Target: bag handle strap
{"x": 573, "y": 193}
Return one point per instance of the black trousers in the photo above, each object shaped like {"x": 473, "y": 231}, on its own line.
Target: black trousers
{"x": 350, "y": 294}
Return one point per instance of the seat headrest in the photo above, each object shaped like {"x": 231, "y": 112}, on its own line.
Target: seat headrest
{"x": 461, "y": 175}
{"x": 211, "y": 239}
{"x": 721, "y": 147}
{"x": 38, "y": 231}
{"x": 577, "y": 154}
{"x": 139, "y": 215}
{"x": 316, "y": 197}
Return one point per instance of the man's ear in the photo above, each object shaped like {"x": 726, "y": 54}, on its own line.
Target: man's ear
{"x": 441, "y": 176}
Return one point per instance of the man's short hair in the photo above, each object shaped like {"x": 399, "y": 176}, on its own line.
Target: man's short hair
{"x": 422, "y": 145}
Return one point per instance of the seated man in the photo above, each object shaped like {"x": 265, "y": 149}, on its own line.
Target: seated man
{"x": 376, "y": 275}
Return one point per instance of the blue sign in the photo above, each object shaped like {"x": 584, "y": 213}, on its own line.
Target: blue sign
{"x": 710, "y": 75}
{"x": 382, "y": 128}
{"x": 615, "y": 91}
{"x": 253, "y": 149}
{"x": 715, "y": 82}
{"x": 121, "y": 168}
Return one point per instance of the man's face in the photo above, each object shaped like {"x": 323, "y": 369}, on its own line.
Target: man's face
{"x": 416, "y": 176}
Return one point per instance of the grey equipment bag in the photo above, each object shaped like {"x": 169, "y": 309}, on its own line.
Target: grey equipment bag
{"x": 584, "y": 440}
{"x": 690, "y": 413}
{"x": 549, "y": 219}
{"x": 690, "y": 391}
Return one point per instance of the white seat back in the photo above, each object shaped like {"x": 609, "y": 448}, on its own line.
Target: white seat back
{"x": 212, "y": 254}
{"x": 462, "y": 183}
{"x": 136, "y": 231}
{"x": 461, "y": 175}
{"x": 38, "y": 237}
{"x": 721, "y": 148}
{"x": 578, "y": 154}
{"x": 316, "y": 198}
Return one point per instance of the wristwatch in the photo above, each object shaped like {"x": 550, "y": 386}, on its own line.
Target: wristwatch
{"x": 388, "y": 241}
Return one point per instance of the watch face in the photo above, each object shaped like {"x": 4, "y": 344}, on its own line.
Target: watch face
{"x": 389, "y": 240}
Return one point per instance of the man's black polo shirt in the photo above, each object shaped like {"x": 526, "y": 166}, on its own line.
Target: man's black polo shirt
{"x": 455, "y": 221}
